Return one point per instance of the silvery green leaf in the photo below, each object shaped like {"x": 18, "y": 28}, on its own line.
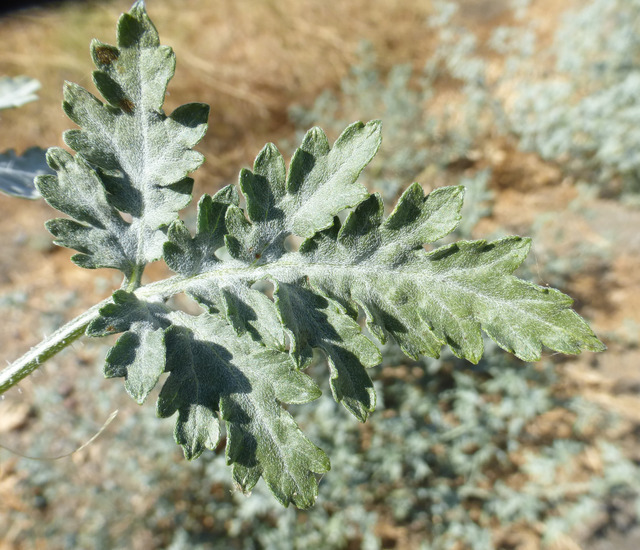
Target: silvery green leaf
{"x": 425, "y": 300}
{"x": 139, "y": 354}
{"x": 321, "y": 183}
{"x": 187, "y": 255}
{"x": 18, "y": 90}
{"x": 212, "y": 372}
{"x": 18, "y": 171}
{"x": 97, "y": 231}
{"x": 315, "y": 321}
{"x": 136, "y": 156}
{"x": 265, "y": 307}
{"x": 216, "y": 374}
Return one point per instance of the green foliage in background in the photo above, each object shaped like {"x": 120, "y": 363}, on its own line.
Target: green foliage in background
{"x": 586, "y": 114}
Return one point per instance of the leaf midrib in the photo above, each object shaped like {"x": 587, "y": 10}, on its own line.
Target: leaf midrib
{"x": 287, "y": 271}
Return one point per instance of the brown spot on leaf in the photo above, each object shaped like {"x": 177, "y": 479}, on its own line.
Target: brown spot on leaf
{"x": 106, "y": 55}
{"x": 126, "y": 105}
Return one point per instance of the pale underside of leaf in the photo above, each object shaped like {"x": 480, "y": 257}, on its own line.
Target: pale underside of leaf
{"x": 17, "y": 172}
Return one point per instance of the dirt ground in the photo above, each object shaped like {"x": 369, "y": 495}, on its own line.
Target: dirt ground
{"x": 250, "y": 61}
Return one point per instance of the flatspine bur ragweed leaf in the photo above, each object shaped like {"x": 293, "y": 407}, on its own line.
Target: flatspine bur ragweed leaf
{"x": 316, "y": 321}
{"x": 187, "y": 255}
{"x": 139, "y": 354}
{"x": 132, "y": 155}
{"x": 213, "y": 371}
{"x": 245, "y": 383}
{"x": 266, "y": 308}
{"x": 425, "y": 300}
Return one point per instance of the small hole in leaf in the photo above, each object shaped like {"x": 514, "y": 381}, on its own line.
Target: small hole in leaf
{"x": 265, "y": 286}
{"x": 292, "y": 243}
{"x": 186, "y": 304}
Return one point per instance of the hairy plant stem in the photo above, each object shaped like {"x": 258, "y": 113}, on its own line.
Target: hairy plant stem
{"x": 134, "y": 281}
{"x": 46, "y": 349}
{"x": 59, "y": 340}
{"x": 74, "y": 329}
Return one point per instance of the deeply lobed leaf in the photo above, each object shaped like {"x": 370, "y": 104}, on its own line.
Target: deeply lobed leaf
{"x": 423, "y": 300}
{"x": 213, "y": 371}
{"x": 131, "y": 155}
{"x": 242, "y": 358}
{"x": 321, "y": 183}
{"x": 428, "y": 299}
